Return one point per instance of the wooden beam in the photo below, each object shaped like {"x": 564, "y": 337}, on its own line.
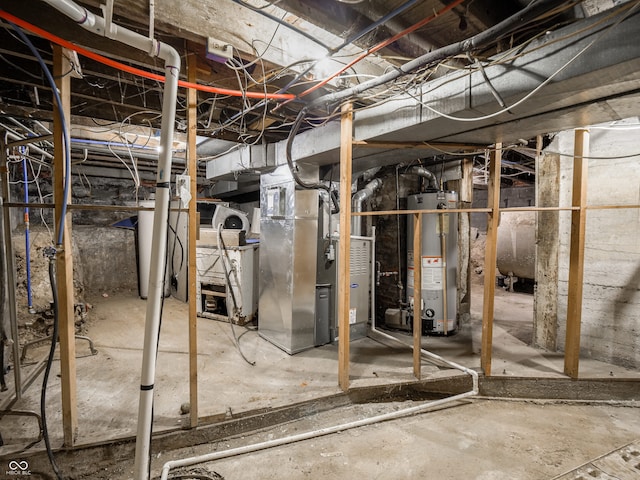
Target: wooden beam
{"x": 490, "y": 258}
{"x": 29, "y": 141}
{"x": 64, "y": 254}
{"x": 344, "y": 253}
{"x": 192, "y": 168}
{"x": 417, "y": 295}
{"x": 576, "y": 253}
{"x": 446, "y": 147}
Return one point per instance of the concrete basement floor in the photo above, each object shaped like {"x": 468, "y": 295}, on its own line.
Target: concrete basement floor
{"x": 479, "y": 438}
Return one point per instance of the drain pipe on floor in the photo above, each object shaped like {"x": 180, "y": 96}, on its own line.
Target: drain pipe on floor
{"x": 210, "y": 457}
{"x": 106, "y": 28}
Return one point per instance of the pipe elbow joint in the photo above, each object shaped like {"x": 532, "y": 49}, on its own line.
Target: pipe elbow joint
{"x": 169, "y": 54}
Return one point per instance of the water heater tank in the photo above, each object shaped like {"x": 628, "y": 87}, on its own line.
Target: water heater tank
{"x": 435, "y": 264}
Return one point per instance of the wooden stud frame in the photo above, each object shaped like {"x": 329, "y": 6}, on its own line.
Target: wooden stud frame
{"x": 192, "y": 168}
{"x": 576, "y": 253}
{"x": 64, "y": 257}
{"x": 417, "y": 295}
{"x": 344, "y": 251}
{"x": 490, "y": 258}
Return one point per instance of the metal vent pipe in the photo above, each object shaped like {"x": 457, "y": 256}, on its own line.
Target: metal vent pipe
{"x": 424, "y": 173}
{"x": 356, "y": 204}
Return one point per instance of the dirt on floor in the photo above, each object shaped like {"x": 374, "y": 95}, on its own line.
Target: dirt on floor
{"x": 35, "y": 319}
{"x": 475, "y": 439}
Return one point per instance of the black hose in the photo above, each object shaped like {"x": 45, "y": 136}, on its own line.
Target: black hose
{"x": 222, "y": 250}
{"x": 530, "y": 12}
{"x": 294, "y": 172}
{"x": 50, "y": 252}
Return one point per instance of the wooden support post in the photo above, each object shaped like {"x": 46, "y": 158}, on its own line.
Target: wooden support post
{"x": 576, "y": 253}
{"x": 64, "y": 256}
{"x": 192, "y": 168}
{"x": 344, "y": 253}
{"x": 417, "y": 294}
{"x": 490, "y": 257}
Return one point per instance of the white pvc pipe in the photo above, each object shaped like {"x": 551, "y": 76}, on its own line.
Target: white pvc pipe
{"x": 210, "y": 457}
{"x": 152, "y": 17}
{"x": 306, "y": 436}
{"x": 433, "y": 356}
{"x": 171, "y": 59}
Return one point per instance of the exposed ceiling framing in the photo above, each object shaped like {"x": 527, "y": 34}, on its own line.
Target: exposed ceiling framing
{"x": 286, "y": 45}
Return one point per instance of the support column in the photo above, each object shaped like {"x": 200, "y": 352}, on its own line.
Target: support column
{"x": 8, "y": 272}
{"x": 64, "y": 255}
{"x": 545, "y": 303}
{"x": 576, "y": 253}
{"x": 192, "y": 168}
{"x": 417, "y": 294}
{"x": 490, "y": 258}
{"x": 344, "y": 253}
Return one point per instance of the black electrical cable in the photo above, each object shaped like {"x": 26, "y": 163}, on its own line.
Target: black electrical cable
{"x": 176, "y": 240}
{"x": 164, "y": 281}
{"x": 222, "y": 250}
{"x": 294, "y": 172}
{"x": 311, "y": 37}
{"x": 50, "y": 252}
{"x": 196, "y": 476}
{"x": 530, "y": 12}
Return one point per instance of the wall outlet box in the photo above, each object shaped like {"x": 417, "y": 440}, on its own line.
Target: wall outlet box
{"x": 218, "y": 51}
{"x": 183, "y": 181}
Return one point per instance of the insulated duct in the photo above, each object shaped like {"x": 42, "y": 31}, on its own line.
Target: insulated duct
{"x": 424, "y": 173}
{"x": 356, "y": 204}
{"x": 104, "y": 27}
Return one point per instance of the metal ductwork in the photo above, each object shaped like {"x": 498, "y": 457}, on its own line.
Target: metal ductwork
{"x": 424, "y": 173}
{"x": 358, "y": 199}
{"x": 585, "y": 93}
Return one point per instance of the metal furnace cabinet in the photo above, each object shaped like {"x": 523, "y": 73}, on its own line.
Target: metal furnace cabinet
{"x": 213, "y": 298}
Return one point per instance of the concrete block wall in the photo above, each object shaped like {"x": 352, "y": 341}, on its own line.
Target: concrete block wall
{"x": 611, "y": 298}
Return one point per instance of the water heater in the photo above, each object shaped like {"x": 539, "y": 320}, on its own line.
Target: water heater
{"x": 438, "y": 262}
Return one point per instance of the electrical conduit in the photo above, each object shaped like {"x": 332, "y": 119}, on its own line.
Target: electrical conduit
{"x": 171, "y": 60}
{"x": 27, "y": 241}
